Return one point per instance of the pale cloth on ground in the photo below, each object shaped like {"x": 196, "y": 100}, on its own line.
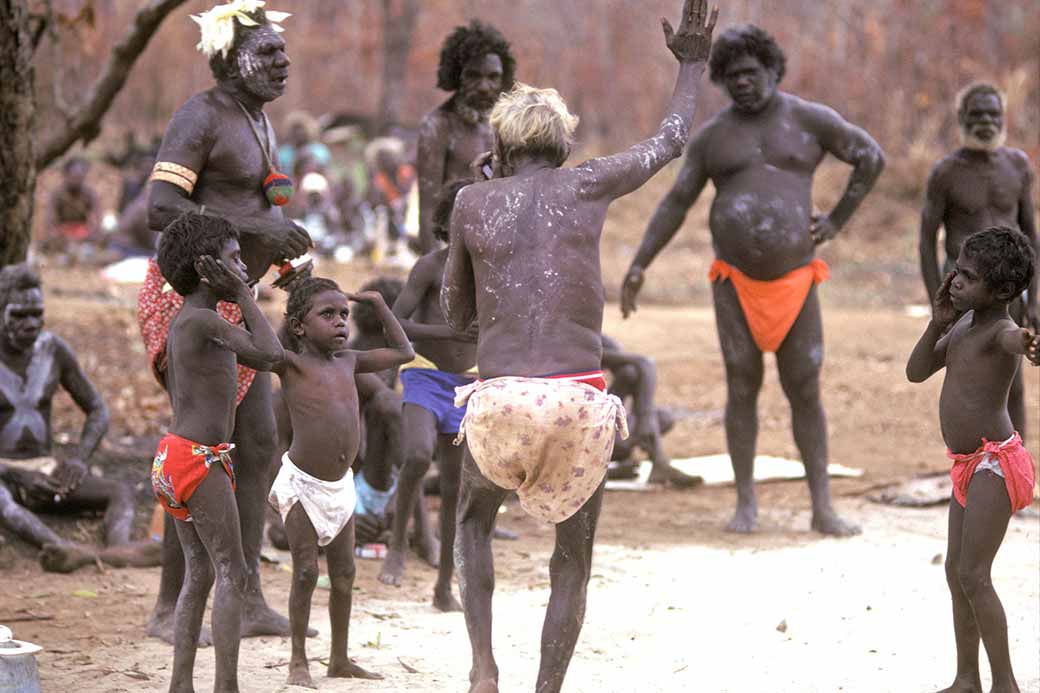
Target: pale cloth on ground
{"x": 328, "y": 504}
{"x": 43, "y": 465}
{"x": 549, "y": 439}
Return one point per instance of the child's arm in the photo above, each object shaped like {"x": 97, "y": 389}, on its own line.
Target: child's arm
{"x": 1021, "y": 340}
{"x": 400, "y": 349}
{"x": 929, "y": 355}
{"x": 422, "y": 278}
{"x": 257, "y": 345}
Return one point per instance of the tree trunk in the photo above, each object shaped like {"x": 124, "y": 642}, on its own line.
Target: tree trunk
{"x": 398, "y": 27}
{"x": 17, "y": 109}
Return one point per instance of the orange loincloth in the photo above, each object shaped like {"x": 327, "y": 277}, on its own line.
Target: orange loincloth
{"x": 771, "y": 307}
{"x": 156, "y": 310}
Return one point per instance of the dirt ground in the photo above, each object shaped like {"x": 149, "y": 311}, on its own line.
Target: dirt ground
{"x": 675, "y": 603}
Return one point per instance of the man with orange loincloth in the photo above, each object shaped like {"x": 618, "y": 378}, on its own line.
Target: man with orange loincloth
{"x": 761, "y": 153}
{"x": 217, "y": 157}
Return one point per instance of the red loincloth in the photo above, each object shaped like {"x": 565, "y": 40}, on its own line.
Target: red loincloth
{"x": 180, "y": 466}
{"x": 156, "y": 310}
{"x": 771, "y": 307}
{"x": 1014, "y": 460}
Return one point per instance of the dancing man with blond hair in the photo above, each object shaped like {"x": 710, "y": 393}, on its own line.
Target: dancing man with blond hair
{"x": 523, "y": 260}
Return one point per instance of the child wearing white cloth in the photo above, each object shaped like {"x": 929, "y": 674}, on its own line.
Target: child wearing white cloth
{"x": 329, "y": 504}
{"x": 314, "y": 491}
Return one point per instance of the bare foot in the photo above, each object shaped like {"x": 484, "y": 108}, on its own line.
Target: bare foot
{"x": 429, "y": 550}
{"x": 666, "y": 474}
{"x": 829, "y": 523}
{"x": 349, "y": 670}
{"x": 485, "y": 686}
{"x": 504, "y": 534}
{"x": 300, "y": 675}
{"x": 260, "y": 619}
{"x": 444, "y": 600}
{"x": 160, "y": 625}
{"x": 65, "y": 558}
{"x": 745, "y": 520}
{"x": 393, "y": 568}
{"x": 961, "y": 686}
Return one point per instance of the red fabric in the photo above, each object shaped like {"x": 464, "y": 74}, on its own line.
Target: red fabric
{"x": 179, "y": 467}
{"x": 771, "y": 307}
{"x": 1015, "y": 461}
{"x": 394, "y": 188}
{"x": 156, "y": 310}
{"x": 74, "y": 231}
{"x": 593, "y": 378}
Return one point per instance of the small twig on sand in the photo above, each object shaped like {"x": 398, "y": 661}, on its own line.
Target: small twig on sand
{"x": 407, "y": 667}
{"x": 275, "y": 665}
{"x": 26, "y": 616}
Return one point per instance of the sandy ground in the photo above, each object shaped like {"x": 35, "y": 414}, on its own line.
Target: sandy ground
{"x": 675, "y": 604}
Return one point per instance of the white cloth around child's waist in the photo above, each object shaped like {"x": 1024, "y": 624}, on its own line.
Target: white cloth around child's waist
{"x": 328, "y": 504}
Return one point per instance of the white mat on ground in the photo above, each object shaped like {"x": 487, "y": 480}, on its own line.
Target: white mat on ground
{"x": 717, "y": 470}
{"x": 132, "y": 270}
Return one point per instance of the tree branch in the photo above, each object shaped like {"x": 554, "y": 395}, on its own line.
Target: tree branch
{"x": 85, "y": 124}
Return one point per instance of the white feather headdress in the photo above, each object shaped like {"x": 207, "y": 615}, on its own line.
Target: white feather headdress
{"x": 218, "y": 24}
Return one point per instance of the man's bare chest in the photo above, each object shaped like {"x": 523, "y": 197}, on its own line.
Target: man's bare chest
{"x": 779, "y": 147}
{"x": 236, "y": 161}
{"x": 980, "y": 190}
{"x": 465, "y": 143}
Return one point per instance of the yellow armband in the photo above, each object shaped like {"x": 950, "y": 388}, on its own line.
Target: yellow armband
{"x": 175, "y": 174}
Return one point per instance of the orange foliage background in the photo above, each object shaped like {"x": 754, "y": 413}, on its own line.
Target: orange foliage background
{"x": 892, "y": 66}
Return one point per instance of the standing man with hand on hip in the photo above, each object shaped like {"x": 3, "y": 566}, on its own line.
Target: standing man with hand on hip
{"x": 761, "y": 153}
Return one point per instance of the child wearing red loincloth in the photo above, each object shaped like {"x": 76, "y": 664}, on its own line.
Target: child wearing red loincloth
{"x": 192, "y": 475}
{"x": 974, "y": 338}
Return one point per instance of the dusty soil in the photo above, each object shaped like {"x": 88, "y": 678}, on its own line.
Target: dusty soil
{"x": 675, "y": 603}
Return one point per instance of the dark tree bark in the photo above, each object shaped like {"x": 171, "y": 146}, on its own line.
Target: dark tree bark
{"x": 85, "y": 123}
{"x": 17, "y": 109}
{"x": 399, "y": 19}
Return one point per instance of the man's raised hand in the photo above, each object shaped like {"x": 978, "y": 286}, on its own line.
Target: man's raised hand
{"x": 692, "y": 43}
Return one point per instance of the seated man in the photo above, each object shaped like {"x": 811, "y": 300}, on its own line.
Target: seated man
{"x": 73, "y": 209}
{"x": 33, "y": 363}
{"x": 635, "y": 382}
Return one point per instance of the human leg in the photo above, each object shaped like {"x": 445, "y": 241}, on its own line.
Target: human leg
{"x": 965, "y": 629}
{"x": 24, "y": 522}
{"x": 114, "y": 497}
{"x": 255, "y": 442}
{"x": 478, "y": 504}
{"x": 569, "y": 572}
{"x": 303, "y": 543}
{"x": 215, "y": 522}
{"x": 743, "y": 362}
{"x": 191, "y": 607}
{"x": 986, "y": 516}
{"x": 339, "y": 555}
{"x": 420, "y": 437}
{"x": 799, "y": 361}
{"x": 449, "y": 460}
{"x": 171, "y": 579}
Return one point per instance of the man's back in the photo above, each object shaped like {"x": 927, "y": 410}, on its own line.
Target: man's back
{"x": 534, "y": 246}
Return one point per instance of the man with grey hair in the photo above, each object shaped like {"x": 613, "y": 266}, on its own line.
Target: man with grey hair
{"x": 981, "y": 184}
{"x": 523, "y": 260}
